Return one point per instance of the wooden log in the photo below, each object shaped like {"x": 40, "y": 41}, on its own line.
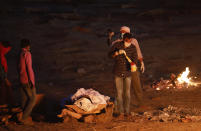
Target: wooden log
{"x": 66, "y": 119}
{"x": 89, "y": 118}
{"x": 75, "y": 108}
{"x": 3, "y": 106}
{"x": 73, "y": 111}
{"x": 63, "y": 113}
{"x": 69, "y": 119}
{"x": 4, "y": 110}
{"x": 66, "y": 112}
{"x": 16, "y": 110}
{"x": 80, "y": 111}
{"x": 4, "y": 119}
{"x": 74, "y": 115}
{"x": 98, "y": 109}
{"x": 107, "y": 115}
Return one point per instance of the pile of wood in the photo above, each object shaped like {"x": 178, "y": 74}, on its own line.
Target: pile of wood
{"x": 166, "y": 84}
{"x": 103, "y": 113}
{"x": 6, "y": 113}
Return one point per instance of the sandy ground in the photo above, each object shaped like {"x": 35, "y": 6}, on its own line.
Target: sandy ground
{"x": 64, "y": 42}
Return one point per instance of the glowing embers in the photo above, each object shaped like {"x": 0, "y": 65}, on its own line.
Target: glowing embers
{"x": 176, "y": 82}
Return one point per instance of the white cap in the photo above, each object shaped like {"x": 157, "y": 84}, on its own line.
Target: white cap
{"x": 125, "y": 28}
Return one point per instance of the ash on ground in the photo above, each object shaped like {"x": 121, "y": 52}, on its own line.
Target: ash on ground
{"x": 168, "y": 114}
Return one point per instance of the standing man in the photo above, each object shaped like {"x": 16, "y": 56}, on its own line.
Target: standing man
{"x": 123, "y": 30}
{"x": 6, "y": 97}
{"x": 122, "y": 72}
{"x": 27, "y": 81}
{"x": 137, "y": 91}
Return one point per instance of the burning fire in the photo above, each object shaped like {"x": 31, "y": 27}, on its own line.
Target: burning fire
{"x": 184, "y": 79}
{"x": 181, "y": 81}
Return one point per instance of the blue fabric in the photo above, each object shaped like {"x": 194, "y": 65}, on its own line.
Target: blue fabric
{"x": 66, "y": 101}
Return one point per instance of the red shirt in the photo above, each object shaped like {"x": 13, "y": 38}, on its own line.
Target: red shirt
{"x": 25, "y": 67}
{"x": 3, "y": 52}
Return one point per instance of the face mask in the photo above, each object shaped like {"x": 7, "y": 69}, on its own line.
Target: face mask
{"x": 122, "y": 34}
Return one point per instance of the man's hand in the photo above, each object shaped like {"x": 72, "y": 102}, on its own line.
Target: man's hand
{"x": 111, "y": 34}
{"x": 142, "y": 67}
{"x": 116, "y": 53}
{"x": 31, "y": 84}
{"x": 122, "y": 52}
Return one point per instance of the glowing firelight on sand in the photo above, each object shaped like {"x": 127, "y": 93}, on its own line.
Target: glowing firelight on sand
{"x": 177, "y": 82}
{"x": 184, "y": 79}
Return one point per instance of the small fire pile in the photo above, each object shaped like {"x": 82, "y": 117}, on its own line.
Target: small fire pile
{"x": 7, "y": 114}
{"x": 176, "y": 82}
{"x": 169, "y": 114}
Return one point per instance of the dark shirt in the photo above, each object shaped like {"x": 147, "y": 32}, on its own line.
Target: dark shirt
{"x": 121, "y": 65}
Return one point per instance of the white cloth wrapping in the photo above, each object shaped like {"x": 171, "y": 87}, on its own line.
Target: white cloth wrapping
{"x": 84, "y": 103}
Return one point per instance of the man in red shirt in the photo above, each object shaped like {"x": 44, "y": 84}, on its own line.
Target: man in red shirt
{"x": 27, "y": 81}
{"x": 5, "y": 86}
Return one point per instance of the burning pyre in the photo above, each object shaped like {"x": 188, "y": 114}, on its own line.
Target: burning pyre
{"x": 176, "y": 82}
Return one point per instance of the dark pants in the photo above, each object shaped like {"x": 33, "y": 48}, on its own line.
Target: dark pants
{"x": 136, "y": 85}
{"x": 6, "y": 94}
{"x": 28, "y": 99}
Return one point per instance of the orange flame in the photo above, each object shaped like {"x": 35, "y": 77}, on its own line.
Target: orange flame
{"x": 184, "y": 79}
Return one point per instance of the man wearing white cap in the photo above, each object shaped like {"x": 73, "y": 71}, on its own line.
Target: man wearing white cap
{"x": 123, "y": 30}
{"x": 135, "y": 76}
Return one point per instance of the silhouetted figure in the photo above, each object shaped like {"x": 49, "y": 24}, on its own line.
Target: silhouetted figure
{"x": 6, "y": 97}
